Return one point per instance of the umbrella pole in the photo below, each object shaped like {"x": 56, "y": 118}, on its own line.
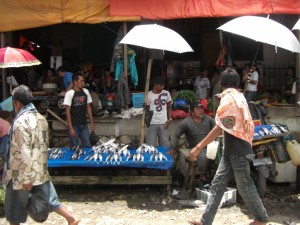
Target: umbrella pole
{"x": 146, "y": 99}
{"x": 3, "y": 85}
{"x": 256, "y": 53}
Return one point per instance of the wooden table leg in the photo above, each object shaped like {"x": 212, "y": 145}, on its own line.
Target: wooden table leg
{"x": 192, "y": 176}
{"x": 187, "y": 176}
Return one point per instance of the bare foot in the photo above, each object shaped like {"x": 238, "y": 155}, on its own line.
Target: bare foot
{"x": 76, "y": 222}
{"x": 193, "y": 222}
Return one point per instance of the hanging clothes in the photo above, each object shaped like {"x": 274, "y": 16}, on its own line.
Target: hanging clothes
{"x": 130, "y": 65}
{"x": 123, "y": 93}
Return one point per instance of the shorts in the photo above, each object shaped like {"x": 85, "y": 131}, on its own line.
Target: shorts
{"x": 16, "y": 201}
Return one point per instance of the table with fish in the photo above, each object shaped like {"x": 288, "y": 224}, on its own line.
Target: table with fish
{"x": 112, "y": 164}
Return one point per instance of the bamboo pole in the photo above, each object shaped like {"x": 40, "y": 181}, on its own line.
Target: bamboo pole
{"x": 57, "y": 117}
{"x": 146, "y": 99}
{"x": 125, "y": 50}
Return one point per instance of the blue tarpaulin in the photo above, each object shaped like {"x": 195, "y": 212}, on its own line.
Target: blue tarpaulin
{"x": 67, "y": 162}
{"x": 7, "y": 105}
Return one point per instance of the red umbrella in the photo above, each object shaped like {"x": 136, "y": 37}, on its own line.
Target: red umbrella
{"x": 15, "y": 57}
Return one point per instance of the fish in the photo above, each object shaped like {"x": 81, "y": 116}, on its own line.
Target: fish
{"x": 281, "y": 128}
{"x": 265, "y": 130}
{"x": 161, "y": 156}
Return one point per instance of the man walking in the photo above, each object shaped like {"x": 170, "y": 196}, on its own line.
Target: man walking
{"x": 26, "y": 168}
{"x": 233, "y": 118}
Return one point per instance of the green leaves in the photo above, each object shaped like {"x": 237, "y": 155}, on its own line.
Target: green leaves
{"x": 188, "y": 95}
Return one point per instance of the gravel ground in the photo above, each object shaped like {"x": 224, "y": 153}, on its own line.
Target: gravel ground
{"x": 124, "y": 205}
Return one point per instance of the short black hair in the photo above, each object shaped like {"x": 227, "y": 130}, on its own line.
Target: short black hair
{"x": 61, "y": 69}
{"x": 22, "y": 94}
{"x": 193, "y": 105}
{"x": 230, "y": 79}
{"x": 76, "y": 76}
{"x": 159, "y": 80}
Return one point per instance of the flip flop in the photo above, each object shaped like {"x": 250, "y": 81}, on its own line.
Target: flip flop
{"x": 193, "y": 222}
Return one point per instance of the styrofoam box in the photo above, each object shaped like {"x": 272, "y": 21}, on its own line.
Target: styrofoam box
{"x": 229, "y": 196}
{"x": 287, "y": 172}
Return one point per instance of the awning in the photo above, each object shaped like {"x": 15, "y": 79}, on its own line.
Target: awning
{"x": 173, "y": 9}
{"x": 24, "y": 14}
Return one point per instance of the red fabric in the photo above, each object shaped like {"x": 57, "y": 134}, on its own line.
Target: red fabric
{"x": 171, "y": 9}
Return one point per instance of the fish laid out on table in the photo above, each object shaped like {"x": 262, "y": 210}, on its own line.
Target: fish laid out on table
{"x": 110, "y": 152}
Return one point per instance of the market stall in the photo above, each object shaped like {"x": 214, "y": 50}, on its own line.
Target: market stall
{"x": 127, "y": 170}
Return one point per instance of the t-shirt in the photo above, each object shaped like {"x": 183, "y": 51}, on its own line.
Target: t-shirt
{"x": 78, "y": 101}
{"x": 202, "y": 85}
{"x": 194, "y": 131}
{"x": 253, "y": 87}
{"x": 67, "y": 79}
{"x": 158, "y": 104}
{"x": 235, "y": 146}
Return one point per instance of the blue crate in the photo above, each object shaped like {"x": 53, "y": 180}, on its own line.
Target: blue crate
{"x": 137, "y": 100}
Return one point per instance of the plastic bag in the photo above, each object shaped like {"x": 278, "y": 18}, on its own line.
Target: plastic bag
{"x": 94, "y": 138}
{"x": 212, "y": 149}
{"x": 148, "y": 116}
{"x": 37, "y": 207}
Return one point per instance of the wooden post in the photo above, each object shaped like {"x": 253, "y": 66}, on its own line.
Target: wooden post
{"x": 298, "y": 70}
{"x": 125, "y": 50}
{"x": 146, "y": 98}
{"x": 4, "y": 87}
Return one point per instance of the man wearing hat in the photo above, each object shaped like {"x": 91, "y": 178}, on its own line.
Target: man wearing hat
{"x": 195, "y": 127}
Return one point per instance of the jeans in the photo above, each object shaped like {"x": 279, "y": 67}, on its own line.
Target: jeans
{"x": 3, "y": 141}
{"x": 250, "y": 96}
{"x": 157, "y": 131}
{"x": 17, "y": 200}
{"x": 239, "y": 167}
{"x": 82, "y": 132}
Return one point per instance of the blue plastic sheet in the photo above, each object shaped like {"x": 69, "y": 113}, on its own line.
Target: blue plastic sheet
{"x": 66, "y": 162}
{"x": 7, "y": 105}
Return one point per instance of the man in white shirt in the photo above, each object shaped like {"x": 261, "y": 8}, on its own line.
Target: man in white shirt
{"x": 252, "y": 84}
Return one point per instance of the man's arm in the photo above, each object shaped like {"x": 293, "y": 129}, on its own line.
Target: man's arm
{"x": 175, "y": 136}
{"x": 69, "y": 121}
{"x": 169, "y": 114}
{"x": 211, "y": 136}
{"x": 71, "y": 85}
{"x": 90, "y": 115}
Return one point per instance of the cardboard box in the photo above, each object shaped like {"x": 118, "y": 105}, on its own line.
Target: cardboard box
{"x": 229, "y": 196}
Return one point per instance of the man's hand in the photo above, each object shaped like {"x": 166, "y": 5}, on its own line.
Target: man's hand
{"x": 92, "y": 126}
{"x": 166, "y": 125}
{"x": 72, "y": 132}
{"x": 27, "y": 187}
{"x": 171, "y": 152}
{"x": 194, "y": 153}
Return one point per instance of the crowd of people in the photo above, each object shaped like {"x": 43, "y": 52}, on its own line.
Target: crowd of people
{"x": 232, "y": 119}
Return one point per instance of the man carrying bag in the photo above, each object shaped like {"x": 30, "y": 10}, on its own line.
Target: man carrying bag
{"x": 26, "y": 177}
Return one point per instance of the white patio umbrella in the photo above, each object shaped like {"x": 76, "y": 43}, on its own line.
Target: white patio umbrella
{"x": 263, "y": 30}
{"x": 154, "y": 36}
{"x": 297, "y": 25}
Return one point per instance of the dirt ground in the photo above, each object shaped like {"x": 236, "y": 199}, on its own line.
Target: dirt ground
{"x": 145, "y": 205}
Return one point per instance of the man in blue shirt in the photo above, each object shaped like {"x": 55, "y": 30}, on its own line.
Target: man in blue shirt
{"x": 67, "y": 78}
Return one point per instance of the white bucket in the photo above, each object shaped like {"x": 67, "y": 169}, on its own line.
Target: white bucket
{"x": 212, "y": 149}
{"x": 293, "y": 148}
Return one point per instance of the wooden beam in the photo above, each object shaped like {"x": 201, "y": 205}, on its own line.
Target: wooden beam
{"x": 112, "y": 180}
